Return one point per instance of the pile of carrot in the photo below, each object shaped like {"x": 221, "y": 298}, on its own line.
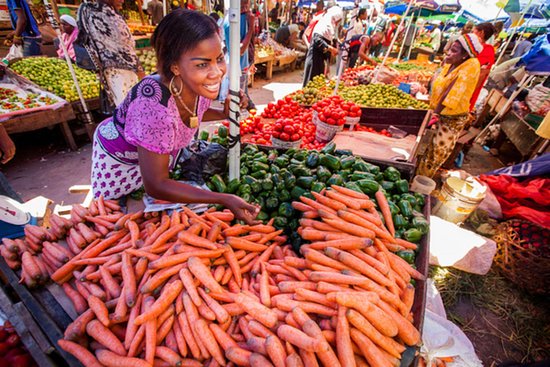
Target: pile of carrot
{"x": 194, "y": 290}
{"x": 39, "y": 254}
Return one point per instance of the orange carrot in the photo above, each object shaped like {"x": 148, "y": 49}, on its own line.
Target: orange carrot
{"x": 99, "y": 309}
{"x": 238, "y": 243}
{"x": 349, "y": 192}
{"x": 372, "y": 354}
{"x": 386, "y": 212}
{"x": 188, "y": 335}
{"x": 168, "y": 295}
{"x": 350, "y": 228}
{"x": 231, "y": 259}
{"x": 223, "y": 338}
{"x": 79, "y": 302}
{"x": 238, "y": 356}
{"x": 406, "y": 244}
{"x": 110, "y": 359}
{"x": 275, "y": 350}
{"x": 257, "y": 310}
{"x": 343, "y": 339}
{"x": 407, "y": 332}
{"x": 82, "y": 354}
{"x": 168, "y": 261}
{"x": 203, "y": 274}
{"x": 209, "y": 340}
{"x": 343, "y": 244}
{"x": 298, "y": 338}
{"x": 190, "y": 287}
{"x": 104, "y": 336}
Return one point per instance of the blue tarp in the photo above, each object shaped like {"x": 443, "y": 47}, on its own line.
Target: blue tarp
{"x": 537, "y": 60}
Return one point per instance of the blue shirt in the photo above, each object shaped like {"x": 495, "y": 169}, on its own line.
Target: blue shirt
{"x": 244, "y": 30}
{"x": 31, "y": 28}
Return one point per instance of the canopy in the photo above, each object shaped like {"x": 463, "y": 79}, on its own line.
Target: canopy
{"x": 488, "y": 10}
{"x": 537, "y": 60}
{"x": 428, "y": 7}
{"x": 350, "y": 4}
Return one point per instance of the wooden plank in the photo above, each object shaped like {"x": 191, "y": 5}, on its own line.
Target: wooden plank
{"x": 35, "y": 331}
{"x": 52, "y": 331}
{"x": 13, "y": 314}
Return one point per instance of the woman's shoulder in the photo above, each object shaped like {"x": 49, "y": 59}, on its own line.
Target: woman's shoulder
{"x": 151, "y": 88}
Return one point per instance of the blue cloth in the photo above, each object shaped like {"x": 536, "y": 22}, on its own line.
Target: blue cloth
{"x": 244, "y": 30}
{"x": 535, "y": 167}
{"x": 31, "y": 28}
{"x": 537, "y": 60}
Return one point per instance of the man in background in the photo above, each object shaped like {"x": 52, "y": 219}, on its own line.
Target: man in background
{"x": 155, "y": 11}
{"x": 288, "y": 36}
{"x": 26, "y": 32}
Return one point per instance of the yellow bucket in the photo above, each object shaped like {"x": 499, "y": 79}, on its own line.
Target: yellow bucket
{"x": 459, "y": 197}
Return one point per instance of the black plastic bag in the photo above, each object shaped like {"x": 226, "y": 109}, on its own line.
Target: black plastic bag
{"x": 200, "y": 161}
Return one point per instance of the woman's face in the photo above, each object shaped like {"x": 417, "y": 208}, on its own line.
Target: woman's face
{"x": 67, "y": 28}
{"x": 480, "y": 34}
{"x": 456, "y": 54}
{"x": 363, "y": 16}
{"x": 202, "y": 68}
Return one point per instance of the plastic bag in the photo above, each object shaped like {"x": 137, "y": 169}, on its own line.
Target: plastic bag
{"x": 538, "y": 100}
{"x": 200, "y": 161}
{"x": 16, "y": 52}
{"x": 453, "y": 246}
{"x": 442, "y": 338}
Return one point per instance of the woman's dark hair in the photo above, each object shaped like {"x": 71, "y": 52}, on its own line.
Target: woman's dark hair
{"x": 487, "y": 28}
{"x": 361, "y": 12}
{"x": 178, "y": 32}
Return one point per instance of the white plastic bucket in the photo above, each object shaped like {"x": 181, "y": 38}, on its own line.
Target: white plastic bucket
{"x": 281, "y": 144}
{"x": 352, "y": 121}
{"x": 325, "y": 132}
{"x": 459, "y": 197}
{"x": 423, "y": 185}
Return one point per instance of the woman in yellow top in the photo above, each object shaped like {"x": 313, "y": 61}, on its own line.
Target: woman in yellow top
{"x": 452, "y": 90}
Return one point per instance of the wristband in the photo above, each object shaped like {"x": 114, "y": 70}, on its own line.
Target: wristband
{"x": 17, "y": 37}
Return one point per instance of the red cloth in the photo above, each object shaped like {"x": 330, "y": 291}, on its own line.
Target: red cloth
{"x": 528, "y": 199}
{"x": 486, "y": 58}
{"x": 389, "y": 35}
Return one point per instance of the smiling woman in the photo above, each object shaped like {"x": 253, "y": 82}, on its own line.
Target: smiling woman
{"x": 141, "y": 142}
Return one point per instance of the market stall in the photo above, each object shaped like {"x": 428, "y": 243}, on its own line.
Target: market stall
{"x": 26, "y": 107}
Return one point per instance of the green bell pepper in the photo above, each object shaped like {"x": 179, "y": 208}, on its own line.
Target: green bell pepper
{"x": 263, "y": 216}
{"x": 312, "y": 160}
{"x": 259, "y": 174}
{"x": 297, "y": 192}
{"x": 359, "y": 175}
{"x": 421, "y": 224}
{"x": 402, "y": 186}
{"x": 347, "y": 162}
{"x": 204, "y": 135}
{"x": 412, "y": 235}
{"x": 301, "y": 155}
{"x": 219, "y": 184}
{"x": 281, "y": 161}
{"x": 274, "y": 169}
{"x": 399, "y": 221}
{"x": 353, "y": 186}
{"x": 305, "y": 182}
{"x": 259, "y": 166}
{"x": 394, "y": 209}
{"x": 233, "y": 186}
{"x": 256, "y": 187}
{"x": 392, "y": 174}
{"x": 267, "y": 184}
{"x": 387, "y": 185}
{"x": 369, "y": 187}
{"x": 244, "y": 189}
{"x": 343, "y": 152}
{"x": 284, "y": 195}
{"x": 407, "y": 255}
{"x": 410, "y": 198}
{"x": 251, "y": 149}
{"x": 335, "y": 180}
{"x": 272, "y": 203}
{"x": 244, "y": 170}
{"x": 248, "y": 179}
{"x": 330, "y": 148}
{"x": 360, "y": 166}
{"x": 286, "y": 210}
{"x": 323, "y": 174}
{"x": 331, "y": 162}
{"x": 405, "y": 208}
{"x": 280, "y": 222}
{"x": 419, "y": 199}
{"x": 318, "y": 187}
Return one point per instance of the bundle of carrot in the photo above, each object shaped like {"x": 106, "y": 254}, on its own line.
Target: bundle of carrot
{"x": 194, "y": 290}
{"x": 39, "y": 254}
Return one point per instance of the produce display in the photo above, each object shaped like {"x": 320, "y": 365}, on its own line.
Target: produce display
{"x": 315, "y": 90}
{"x": 12, "y": 351}
{"x": 334, "y": 110}
{"x": 273, "y": 180}
{"x": 148, "y": 60}
{"x": 52, "y": 74}
{"x": 139, "y": 29}
{"x": 369, "y": 129}
{"x": 194, "y": 290}
{"x": 11, "y": 101}
{"x": 261, "y": 51}
{"x": 380, "y": 96}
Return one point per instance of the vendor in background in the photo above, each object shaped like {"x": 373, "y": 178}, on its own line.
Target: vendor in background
{"x": 141, "y": 142}
{"x": 155, "y": 11}
{"x": 486, "y": 58}
{"x": 450, "y": 98}
{"x": 388, "y": 36}
{"x": 26, "y": 32}
{"x": 524, "y": 45}
{"x": 367, "y": 44}
{"x": 357, "y": 25}
{"x": 468, "y": 28}
{"x": 108, "y": 40}
{"x": 409, "y": 35}
{"x": 321, "y": 47}
{"x": 69, "y": 35}
{"x": 307, "y": 35}
{"x": 288, "y": 36}
{"x": 435, "y": 40}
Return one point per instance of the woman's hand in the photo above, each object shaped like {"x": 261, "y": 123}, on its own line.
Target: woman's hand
{"x": 242, "y": 210}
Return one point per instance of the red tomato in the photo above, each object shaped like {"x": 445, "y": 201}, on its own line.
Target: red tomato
{"x": 289, "y": 129}
{"x": 284, "y": 137}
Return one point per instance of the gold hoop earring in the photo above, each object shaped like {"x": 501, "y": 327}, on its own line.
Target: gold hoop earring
{"x": 172, "y": 86}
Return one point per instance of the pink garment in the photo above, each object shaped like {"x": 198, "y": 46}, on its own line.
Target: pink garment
{"x": 68, "y": 40}
{"x": 148, "y": 118}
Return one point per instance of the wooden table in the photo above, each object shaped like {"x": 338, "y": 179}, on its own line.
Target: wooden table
{"x": 38, "y": 120}
{"x": 268, "y": 61}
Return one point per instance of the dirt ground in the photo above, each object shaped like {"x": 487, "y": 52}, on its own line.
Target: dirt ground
{"x": 44, "y": 166}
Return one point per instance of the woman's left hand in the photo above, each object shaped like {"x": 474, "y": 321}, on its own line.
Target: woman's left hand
{"x": 244, "y": 100}
{"x": 242, "y": 210}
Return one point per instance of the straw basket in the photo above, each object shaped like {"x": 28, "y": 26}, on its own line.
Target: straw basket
{"x": 523, "y": 255}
